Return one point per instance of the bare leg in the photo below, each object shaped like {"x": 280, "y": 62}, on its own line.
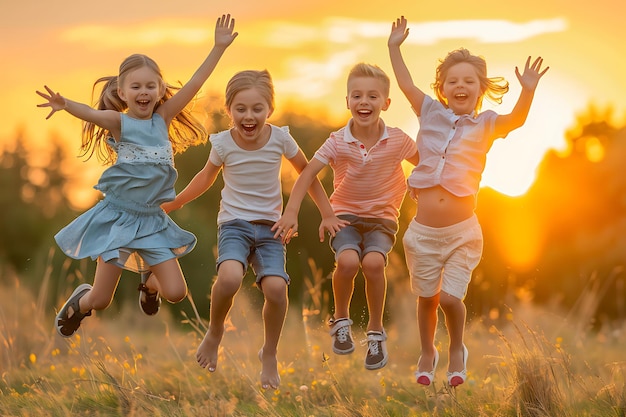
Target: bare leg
{"x": 455, "y": 313}
{"x": 343, "y": 281}
{"x": 375, "y": 289}
{"x": 167, "y": 278}
{"x": 229, "y": 278}
{"x": 274, "y": 311}
{"x": 427, "y": 324}
{"x": 104, "y": 285}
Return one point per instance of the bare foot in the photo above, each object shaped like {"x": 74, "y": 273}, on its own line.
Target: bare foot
{"x": 206, "y": 355}
{"x": 269, "y": 374}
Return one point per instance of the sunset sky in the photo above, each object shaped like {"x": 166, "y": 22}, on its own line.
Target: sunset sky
{"x": 309, "y": 47}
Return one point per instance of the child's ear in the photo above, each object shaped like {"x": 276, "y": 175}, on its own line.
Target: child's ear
{"x": 121, "y": 95}
{"x": 386, "y": 105}
{"x": 162, "y": 90}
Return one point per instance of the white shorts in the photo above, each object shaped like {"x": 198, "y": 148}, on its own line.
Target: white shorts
{"x": 442, "y": 258}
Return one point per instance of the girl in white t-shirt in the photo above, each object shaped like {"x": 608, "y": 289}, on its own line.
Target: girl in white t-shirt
{"x": 250, "y": 155}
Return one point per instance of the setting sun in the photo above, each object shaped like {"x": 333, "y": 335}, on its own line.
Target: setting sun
{"x": 309, "y": 49}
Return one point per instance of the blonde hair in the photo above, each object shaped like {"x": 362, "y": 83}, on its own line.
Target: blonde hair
{"x": 184, "y": 130}
{"x": 491, "y": 87}
{"x": 244, "y": 80}
{"x": 369, "y": 70}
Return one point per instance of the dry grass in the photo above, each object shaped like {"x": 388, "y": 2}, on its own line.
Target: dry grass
{"x": 531, "y": 363}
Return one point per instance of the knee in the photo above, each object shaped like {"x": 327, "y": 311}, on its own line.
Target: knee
{"x": 177, "y": 295}
{"x": 373, "y": 265}
{"x": 227, "y": 285}
{"x": 274, "y": 290}
{"x": 449, "y": 302}
{"x": 348, "y": 264}
{"x": 429, "y": 302}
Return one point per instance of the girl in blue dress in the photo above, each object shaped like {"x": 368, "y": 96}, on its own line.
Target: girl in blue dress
{"x": 138, "y": 125}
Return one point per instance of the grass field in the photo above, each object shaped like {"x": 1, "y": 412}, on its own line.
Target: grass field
{"x": 533, "y": 362}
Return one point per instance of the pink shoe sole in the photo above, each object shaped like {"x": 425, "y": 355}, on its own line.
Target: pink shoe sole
{"x": 457, "y": 378}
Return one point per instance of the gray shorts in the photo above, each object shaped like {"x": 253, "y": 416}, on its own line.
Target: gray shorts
{"x": 365, "y": 235}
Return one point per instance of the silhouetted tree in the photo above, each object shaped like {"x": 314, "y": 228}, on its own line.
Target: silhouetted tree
{"x": 32, "y": 203}
{"x": 578, "y": 202}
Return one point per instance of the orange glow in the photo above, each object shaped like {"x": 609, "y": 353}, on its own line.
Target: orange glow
{"x": 519, "y": 240}
{"x": 309, "y": 50}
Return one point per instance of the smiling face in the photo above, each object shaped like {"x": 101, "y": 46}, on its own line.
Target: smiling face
{"x": 141, "y": 89}
{"x": 366, "y": 99}
{"x": 249, "y": 112}
{"x": 461, "y": 88}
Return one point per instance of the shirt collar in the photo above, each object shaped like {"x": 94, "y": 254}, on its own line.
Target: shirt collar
{"x": 349, "y": 138}
{"x": 454, "y": 117}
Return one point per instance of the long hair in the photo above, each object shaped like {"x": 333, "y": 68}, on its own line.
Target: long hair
{"x": 184, "y": 130}
{"x": 491, "y": 87}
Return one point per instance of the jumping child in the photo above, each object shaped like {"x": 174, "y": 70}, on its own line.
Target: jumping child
{"x": 138, "y": 125}
{"x": 444, "y": 243}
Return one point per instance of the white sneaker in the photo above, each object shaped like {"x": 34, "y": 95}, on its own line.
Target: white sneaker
{"x": 342, "y": 336}
{"x": 376, "y": 356}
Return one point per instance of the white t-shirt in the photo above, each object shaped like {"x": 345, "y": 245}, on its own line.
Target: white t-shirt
{"x": 252, "y": 186}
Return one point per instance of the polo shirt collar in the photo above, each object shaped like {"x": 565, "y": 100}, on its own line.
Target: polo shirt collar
{"x": 347, "y": 133}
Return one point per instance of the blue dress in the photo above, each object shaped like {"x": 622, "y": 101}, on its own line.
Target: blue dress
{"x": 129, "y": 217}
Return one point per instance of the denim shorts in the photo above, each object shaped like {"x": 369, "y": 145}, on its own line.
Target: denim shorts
{"x": 442, "y": 258}
{"x": 365, "y": 235}
{"x": 252, "y": 243}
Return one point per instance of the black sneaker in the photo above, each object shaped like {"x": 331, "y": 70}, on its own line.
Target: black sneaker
{"x": 68, "y": 325}
{"x": 376, "y": 356}
{"x": 149, "y": 302}
{"x": 342, "y": 336}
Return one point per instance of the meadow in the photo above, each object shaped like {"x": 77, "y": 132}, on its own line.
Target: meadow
{"x": 534, "y": 361}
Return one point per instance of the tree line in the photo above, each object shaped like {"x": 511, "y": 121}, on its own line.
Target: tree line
{"x": 563, "y": 242}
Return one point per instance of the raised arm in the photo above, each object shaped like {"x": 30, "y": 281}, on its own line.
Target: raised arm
{"x": 224, "y": 36}
{"x": 399, "y": 32}
{"x": 528, "y": 80}
{"x": 107, "y": 119}
{"x": 201, "y": 182}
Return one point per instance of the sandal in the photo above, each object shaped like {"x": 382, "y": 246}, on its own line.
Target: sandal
{"x": 67, "y": 325}
{"x": 149, "y": 302}
{"x": 457, "y": 378}
{"x": 426, "y": 377}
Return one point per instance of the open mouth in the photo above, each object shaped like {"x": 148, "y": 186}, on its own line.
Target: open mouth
{"x": 364, "y": 113}
{"x": 248, "y": 127}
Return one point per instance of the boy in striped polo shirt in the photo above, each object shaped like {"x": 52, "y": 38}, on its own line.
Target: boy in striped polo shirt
{"x": 369, "y": 186}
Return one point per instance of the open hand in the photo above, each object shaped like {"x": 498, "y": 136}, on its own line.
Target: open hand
{"x": 399, "y": 32}
{"x": 286, "y": 227}
{"x": 532, "y": 74}
{"x": 55, "y": 101}
{"x": 331, "y": 224}
{"x": 224, "y": 34}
